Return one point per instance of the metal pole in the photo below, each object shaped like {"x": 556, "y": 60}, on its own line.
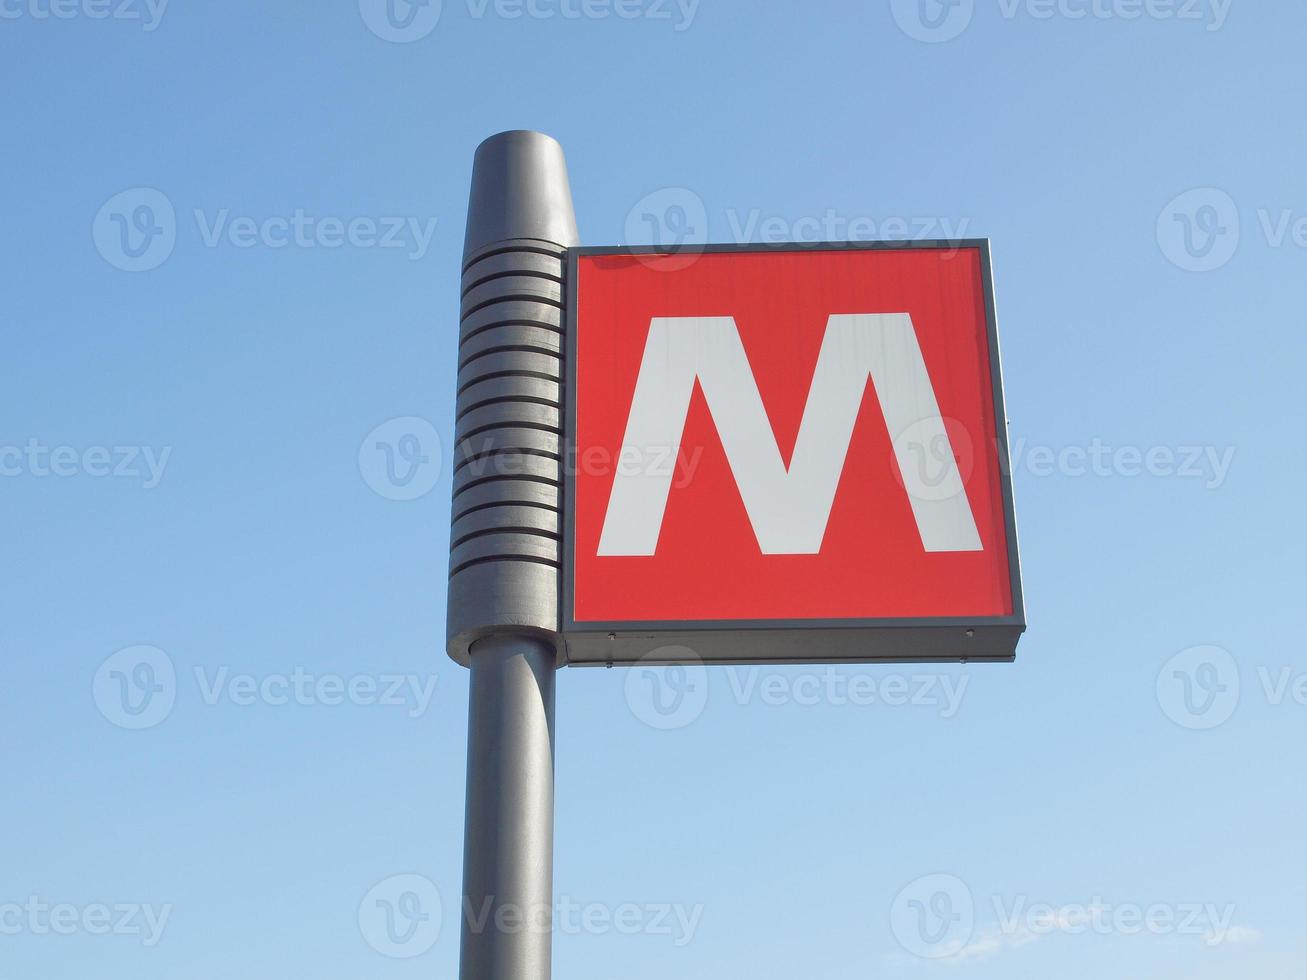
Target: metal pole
{"x": 508, "y": 857}
{"x": 504, "y": 545}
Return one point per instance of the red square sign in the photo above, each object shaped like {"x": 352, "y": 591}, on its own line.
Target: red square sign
{"x": 788, "y": 453}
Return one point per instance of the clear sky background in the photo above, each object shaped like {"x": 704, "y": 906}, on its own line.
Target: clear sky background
{"x": 760, "y": 830}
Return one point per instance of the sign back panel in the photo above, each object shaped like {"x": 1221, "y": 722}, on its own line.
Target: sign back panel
{"x": 789, "y": 453}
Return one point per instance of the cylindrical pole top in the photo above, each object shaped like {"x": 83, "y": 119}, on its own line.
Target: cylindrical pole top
{"x": 519, "y": 190}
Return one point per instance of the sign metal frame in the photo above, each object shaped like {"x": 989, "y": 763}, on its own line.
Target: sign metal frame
{"x": 789, "y": 641}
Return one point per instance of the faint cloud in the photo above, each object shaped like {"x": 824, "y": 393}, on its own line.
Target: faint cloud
{"x": 1234, "y": 936}
{"x": 991, "y": 941}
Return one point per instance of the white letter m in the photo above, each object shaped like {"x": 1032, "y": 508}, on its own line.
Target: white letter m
{"x": 788, "y": 507}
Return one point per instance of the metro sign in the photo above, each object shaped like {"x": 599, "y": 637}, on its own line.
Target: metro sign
{"x": 787, "y": 454}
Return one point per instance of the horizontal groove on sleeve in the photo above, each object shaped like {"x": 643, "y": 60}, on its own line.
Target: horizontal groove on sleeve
{"x": 505, "y": 544}
{"x": 513, "y": 258}
{"x": 548, "y": 363}
{"x": 503, "y": 266}
{"x": 508, "y": 451}
{"x": 471, "y": 482}
{"x": 485, "y": 561}
{"x": 510, "y": 298}
{"x": 509, "y": 413}
{"x": 512, "y": 282}
{"x": 528, "y": 312}
{"x": 509, "y": 458}
{"x": 510, "y": 493}
{"x": 517, "y": 286}
{"x": 515, "y": 245}
{"x": 526, "y": 433}
{"x": 508, "y": 518}
{"x": 506, "y": 255}
{"x": 461, "y": 435}
{"x": 472, "y": 406}
{"x": 510, "y": 349}
{"x": 509, "y": 324}
{"x": 538, "y": 375}
{"x": 495, "y": 335}
{"x": 503, "y": 529}
{"x": 550, "y": 389}
{"x": 514, "y": 500}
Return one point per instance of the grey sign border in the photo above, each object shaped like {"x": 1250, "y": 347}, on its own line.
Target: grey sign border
{"x": 787, "y": 641}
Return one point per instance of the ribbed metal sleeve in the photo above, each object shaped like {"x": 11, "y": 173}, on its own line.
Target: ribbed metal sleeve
{"x": 505, "y": 543}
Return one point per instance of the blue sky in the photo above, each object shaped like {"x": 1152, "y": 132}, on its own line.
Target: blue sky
{"x": 231, "y": 244}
